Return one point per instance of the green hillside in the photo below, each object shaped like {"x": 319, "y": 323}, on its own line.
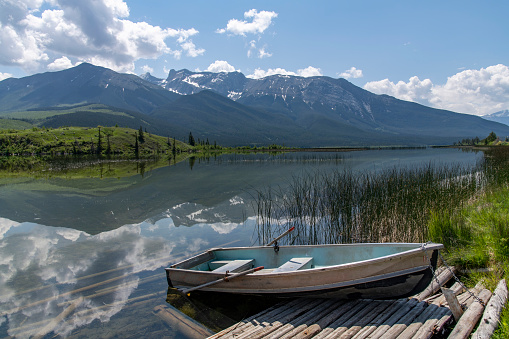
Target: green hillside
{"x": 87, "y": 115}
{"x": 83, "y": 140}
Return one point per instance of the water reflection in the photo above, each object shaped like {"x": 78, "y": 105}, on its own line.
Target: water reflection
{"x": 85, "y": 257}
{"x": 46, "y": 270}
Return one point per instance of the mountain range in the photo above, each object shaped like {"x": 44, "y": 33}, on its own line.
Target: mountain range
{"x": 500, "y": 116}
{"x": 233, "y": 109}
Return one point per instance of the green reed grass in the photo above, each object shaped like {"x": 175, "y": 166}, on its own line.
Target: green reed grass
{"x": 465, "y": 208}
{"x": 344, "y": 207}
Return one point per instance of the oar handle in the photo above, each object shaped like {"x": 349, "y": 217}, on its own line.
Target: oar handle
{"x": 279, "y": 237}
{"x": 225, "y": 278}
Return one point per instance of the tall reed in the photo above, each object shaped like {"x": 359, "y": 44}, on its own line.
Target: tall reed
{"x": 393, "y": 205}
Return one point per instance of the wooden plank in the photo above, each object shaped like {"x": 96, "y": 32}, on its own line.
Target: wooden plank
{"x": 442, "y": 278}
{"x": 278, "y": 320}
{"x": 454, "y": 304}
{"x": 432, "y": 311}
{"x": 381, "y": 306}
{"x": 273, "y": 324}
{"x": 181, "y": 322}
{"x": 470, "y": 318}
{"x": 357, "y": 307}
{"x": 405, "y": 321}
{"x": 312, "y": 320}
{"x": 457, "y": 288}
{"x": 356, "y": 320}
{"x": 491, "y": 316}
{"x": 380, "y": 331}
{"x": 432, "y": 325}
{"x": 262, "y": 318}
{"x": 341, "y": 308}
{"x": 309, "y": 332}
{"x": 316, "y": 313}
{"x": 380, "y": 319}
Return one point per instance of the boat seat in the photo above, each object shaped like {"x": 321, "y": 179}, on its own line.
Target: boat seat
{"x": 294, "y": 264}
{"x": 233, "y": 266}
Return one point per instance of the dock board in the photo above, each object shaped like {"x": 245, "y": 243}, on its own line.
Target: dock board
{"x": 421, "y": 316}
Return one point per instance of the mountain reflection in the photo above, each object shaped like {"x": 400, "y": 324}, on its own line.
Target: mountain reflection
{"x": 44, "y": 270}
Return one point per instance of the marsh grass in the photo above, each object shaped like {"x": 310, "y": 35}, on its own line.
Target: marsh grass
{"x": 465, "y": 208}
{"x": 393, "y": 205}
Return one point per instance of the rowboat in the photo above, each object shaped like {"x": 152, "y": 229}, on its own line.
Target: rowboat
{"x": 347, "y": 271}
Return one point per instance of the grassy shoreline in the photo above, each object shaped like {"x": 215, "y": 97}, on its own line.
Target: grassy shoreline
{"x": 466, "y": 209}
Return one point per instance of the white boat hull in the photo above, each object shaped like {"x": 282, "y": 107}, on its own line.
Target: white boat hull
{"x": 400, "y": 274}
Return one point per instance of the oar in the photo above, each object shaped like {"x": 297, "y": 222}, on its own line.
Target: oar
{"x": 226, "y": 278}
{"x": 279, "y": 237}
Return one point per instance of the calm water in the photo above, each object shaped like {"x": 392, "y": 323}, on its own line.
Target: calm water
{"x": 86, "y": 257}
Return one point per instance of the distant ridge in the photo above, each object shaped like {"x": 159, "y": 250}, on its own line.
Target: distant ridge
{"x": 233, "y": 109}
{"x": 500, "y": 116}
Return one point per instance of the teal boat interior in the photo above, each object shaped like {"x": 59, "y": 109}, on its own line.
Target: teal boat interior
{"x": 291, "y": 258}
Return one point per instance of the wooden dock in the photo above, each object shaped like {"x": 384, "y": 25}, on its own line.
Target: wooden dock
{"x": 421, "y": 316}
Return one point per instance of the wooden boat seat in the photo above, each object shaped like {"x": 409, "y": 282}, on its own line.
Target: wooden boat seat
{"x": 294, "y": 264}
{"x": 233, "y": 266}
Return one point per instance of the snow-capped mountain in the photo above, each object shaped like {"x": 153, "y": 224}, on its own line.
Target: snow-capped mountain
{"x": 500, "y": 116}
{"x": 233, "y": 109}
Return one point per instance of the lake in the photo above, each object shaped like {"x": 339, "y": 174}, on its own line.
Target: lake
{"x": 85, "y": 257}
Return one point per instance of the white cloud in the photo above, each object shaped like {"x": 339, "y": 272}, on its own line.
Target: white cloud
{"x": 413, "y": 90}
{"x": 476, "y": 92}
{"x": 263, "y": 54}
{"x": 260, "y": 21}
{"x": 191, "y": 49}
{"x": 352, "y": 73}
{"x": 60, "y": 64}
{"x": 95, "y": 31}
{"x": 147, "y": 69}
{"x": 259, "y": 52}
{"x": 220, "y": 66}
{"x": 309, "y": 71}
{"x": 4, "y": 76}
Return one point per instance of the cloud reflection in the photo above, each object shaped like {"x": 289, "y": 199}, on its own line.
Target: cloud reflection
{"x": 44, "y": 270}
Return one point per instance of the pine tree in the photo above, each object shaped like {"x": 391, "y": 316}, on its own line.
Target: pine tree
{"x": 99, "y": 142}
{"x": 191, "y": 139}
{"x": 141, "y": 137}
{"x": 136, "y": 146}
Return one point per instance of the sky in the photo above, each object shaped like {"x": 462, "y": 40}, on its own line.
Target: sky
{"x": 450, "y": 54}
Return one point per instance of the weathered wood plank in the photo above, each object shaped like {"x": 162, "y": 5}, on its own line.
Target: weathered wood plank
{"x": 491, "y": 316}
{"x": 277, "y": 318}
{"x": 256, "y": 318}
{"x": 183, "y": 323}
{"x": 282, "y": 329}
{"x": 355, "y": 319}
{"x": 432, "y": 311}
{"x": 380, "y": 331}
{"x": 312, "y": 320}
{"x": 380, "y": 319}
{"x": 454, "y": 304}
{"x": 470, "y": 318}
{"x": 339, "y": 321}
{"x": 381, "y": 307}
{"x": 406, "y": 320}
{"x": 457, "y": 288}
{"x": 272, "y": 322}
{"x": 444, "y": 276}
{"x": 326, "y": 320}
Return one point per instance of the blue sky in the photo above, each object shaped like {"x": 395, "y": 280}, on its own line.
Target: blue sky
{"x": 445, "y": 54}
